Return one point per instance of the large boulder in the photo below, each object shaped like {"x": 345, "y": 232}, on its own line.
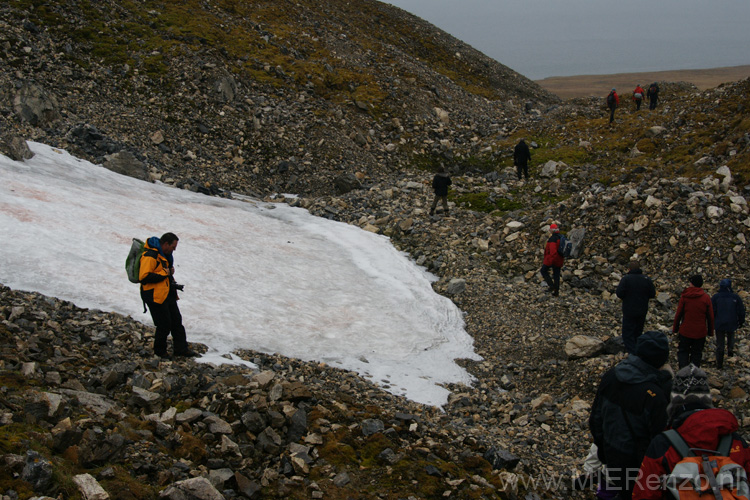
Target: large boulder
{"x": 126, "y": 163}
{"x": 583, "y": 346}
{"x": 17, "y": 149}
{"x": 34, "y": 106}
{"x": 197, "y": 488}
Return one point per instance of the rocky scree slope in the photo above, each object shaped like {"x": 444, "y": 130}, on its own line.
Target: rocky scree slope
{"x": 252, "y": 97}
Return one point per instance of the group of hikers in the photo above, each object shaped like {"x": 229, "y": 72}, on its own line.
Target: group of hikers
{"x": 652, "y": 95}
{"x": 646, "y": 422}
{"x": 649, "y": 426}
{"x": 655, "y": 434}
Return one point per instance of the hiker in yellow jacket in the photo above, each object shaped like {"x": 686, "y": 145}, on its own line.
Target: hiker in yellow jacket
{"x": 159, "y": 293}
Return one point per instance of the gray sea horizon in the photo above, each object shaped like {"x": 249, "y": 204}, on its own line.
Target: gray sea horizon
{"x": 548, "y": 38}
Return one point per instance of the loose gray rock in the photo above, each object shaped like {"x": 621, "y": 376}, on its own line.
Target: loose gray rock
{"x": 126, "y": 163}
{"x": 198, "y": 488}
{"x": 17, "y": 149}
{"x": 35, "y": 106}
{"x": 371, "y": 426}
{"x": 501, "y": 459}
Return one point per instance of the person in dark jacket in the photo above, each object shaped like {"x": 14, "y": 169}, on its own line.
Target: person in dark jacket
{"x": 613, "y": 100}
{"x": 653, "y": 95}
{"x": 552, "y": 260}
{"x": 440, "y": 184}
{"x": 699, "y": 424}
{"x": 694, "y": 321}
{"x": 630, "y": 408}
{"x": 159, "y": 293}
{"x": 635, "y": 290}
{"x": 729, "y": 315}
{"x": 521, "y": 158}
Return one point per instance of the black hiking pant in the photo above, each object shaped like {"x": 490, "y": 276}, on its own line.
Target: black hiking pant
{"x": 167, "y": 319}
{"x": 443, "y": 199}
{"x": 554, "y": 282}
{"x": 632, "y": 328}
{"x": 690, "y": 351}
{"x": 522, "y": 170}
{"x": 720, "y": 335}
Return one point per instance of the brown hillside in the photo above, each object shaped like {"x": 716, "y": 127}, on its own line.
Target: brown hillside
{"x": 567, "y": 87}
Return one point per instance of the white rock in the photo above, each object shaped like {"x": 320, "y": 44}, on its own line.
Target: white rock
{"x": 631, "y": 195}
{"x": 514, "y": 225}
{"x": 549, "y": 169}
{"x": 656, "y": 131}
{"x": 640, "y": 223}
{"x": 197, "y": 488}
{"x": 582, "y": 346}
{"x": 442, "y": 116}
{"x": 714, "y": 212}
{"x": 653, "y": 202}
{"x": 90, "y": 489}
{"x": 724, "y": 171}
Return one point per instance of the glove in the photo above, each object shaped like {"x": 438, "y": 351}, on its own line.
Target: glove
{"x": 179, "y": 287}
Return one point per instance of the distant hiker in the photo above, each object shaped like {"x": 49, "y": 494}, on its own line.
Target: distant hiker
{"x": 635, "y": 290}
{"x": 638, "y": 95}
{"x": 159, "y": 292}
{"x": 630, "y": 408}
{"x": 694, "y": 321}
{"x": 729, "y": 315}
{"x": 521, "y": 158}
{"x": 653, "y": 95}
{"x": 701, "y": 427}
{"x": 552, "y": 260}
{"x": 613, "y": 100}
{"x": 440, "y": 184}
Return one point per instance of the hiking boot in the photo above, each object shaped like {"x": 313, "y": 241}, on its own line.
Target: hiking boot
{"x": 163, "y": 355}
{"x": 187, "y": 354}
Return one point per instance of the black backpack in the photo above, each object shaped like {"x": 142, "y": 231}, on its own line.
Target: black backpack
{"x": 610, "y": 99}
{"x": 565, "y": 246}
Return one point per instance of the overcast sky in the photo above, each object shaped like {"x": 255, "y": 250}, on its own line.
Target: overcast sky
{"x": 542, "y": 38}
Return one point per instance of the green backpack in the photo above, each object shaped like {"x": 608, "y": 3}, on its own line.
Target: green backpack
{"x": 133, "y": 262}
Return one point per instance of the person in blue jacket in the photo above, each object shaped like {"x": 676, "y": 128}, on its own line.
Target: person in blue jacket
{"x": 729, "y": 315}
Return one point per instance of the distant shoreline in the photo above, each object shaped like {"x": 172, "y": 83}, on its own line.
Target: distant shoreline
{"x": 567, "y": 87}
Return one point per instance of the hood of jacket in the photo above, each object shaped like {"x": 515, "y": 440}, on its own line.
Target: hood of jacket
{"x": 633, "y": 370}
{"x": 704, "y": 428}
{"x": 154, "y": 243}
{"x": 725, "y": 285}
{"x": 693, "y": 292}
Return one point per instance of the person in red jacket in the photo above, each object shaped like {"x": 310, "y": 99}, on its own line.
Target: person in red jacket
{"x": 699, "y": 424}
{"x": 552, "y": 260}
{"x": 694, "y": 321}
{"x": 638, "y": 95}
